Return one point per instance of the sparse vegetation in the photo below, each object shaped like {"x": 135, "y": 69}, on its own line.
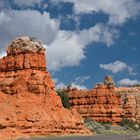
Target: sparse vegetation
{"x": 64, "y": 99}
{"x": 129, "y": 125}
{"x": 124, "y": 127}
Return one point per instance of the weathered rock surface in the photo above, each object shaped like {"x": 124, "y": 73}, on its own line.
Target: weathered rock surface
{"x": 130, "y": 97}
{"x": 101, "y": 104}
{"x": 109, "y": 82}
{"x": 28, "y": 104}
{"x": 25, "y": 45}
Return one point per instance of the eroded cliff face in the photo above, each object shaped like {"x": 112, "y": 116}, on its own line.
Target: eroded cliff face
{"x": 107, "y": 103}
{"x": 101, "y": 104}
{"x": 28, "y": 104}
{"x": 130, "y": 100}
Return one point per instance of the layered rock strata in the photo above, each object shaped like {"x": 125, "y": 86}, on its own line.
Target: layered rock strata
{"x": 130, "y": 97}
{"x": 101, "y": 104}
{"x": 28, "y": 104}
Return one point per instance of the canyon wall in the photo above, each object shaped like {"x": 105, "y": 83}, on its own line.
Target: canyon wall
{"x": 130, "y": 100}
{"x": 28, "y": 104}
{"x": 101, "y": 104}
{"x": 107, "y": 103}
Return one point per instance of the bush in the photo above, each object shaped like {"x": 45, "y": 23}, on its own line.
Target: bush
{"x": 94, "y": 126}
{"x": 64, "y": 99}
{"x": 106, "y": 125}
{"x": 128, "y": 124}
{"x": 124, "y": 127}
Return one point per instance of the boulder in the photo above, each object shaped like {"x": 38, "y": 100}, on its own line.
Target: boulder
{"x": 108, "y": 81}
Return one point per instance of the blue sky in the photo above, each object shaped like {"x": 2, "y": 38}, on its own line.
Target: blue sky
{"x": 84, "y": 40}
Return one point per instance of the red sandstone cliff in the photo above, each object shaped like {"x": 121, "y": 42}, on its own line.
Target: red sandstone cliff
{"x": 107, "y": 103}
{"x": 101, "y": 104}
{"x": 28, "y": 104}
{"x": 130, "y": 97}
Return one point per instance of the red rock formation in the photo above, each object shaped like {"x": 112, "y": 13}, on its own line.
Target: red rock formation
{"x": 101, "y": 104}
{"x": 109, "y": 82}
{"x": 130, "y": 102}
{"x": 28, "y": 104}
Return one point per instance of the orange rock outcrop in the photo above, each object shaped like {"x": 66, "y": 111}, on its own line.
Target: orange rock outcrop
{"x": 28, "y": 104}
{"x": 101, "y": 104}
{"x": 130, "y": 97}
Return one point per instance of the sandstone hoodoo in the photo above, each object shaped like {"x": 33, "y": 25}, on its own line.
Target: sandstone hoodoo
{"x": 109, "y": 82}
{"x": 101, "y": 104}
{"x": 28, "y": 104}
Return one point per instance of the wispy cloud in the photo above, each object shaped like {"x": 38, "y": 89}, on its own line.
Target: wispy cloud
{"x": 114, "y": 67}
{"x": 128, "y": 82}
{"x": 131, "y": 71}
{"x": 81, "y": 79}
{"x": 118, "y": 66}
{"x": 61, "y": 85}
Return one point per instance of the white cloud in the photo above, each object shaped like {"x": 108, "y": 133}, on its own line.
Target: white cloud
{"x": 79, "y": 87}
{"x": 81, "y": 79}
{"x": 119, "y": 11}
{"x": 118, "y": 66}
{"x": 73, "y": 85}
{"x": 14, "y": 23}
{"x": 3, "y": 18}
{"x": 2, "y": 54}
{"x": 128, "y": 81}
{"x": 131, "y": 71}
{"x": 65, "y": 51}
{"x": 68, "y": 47}
{"x": 59, "y": 84}
{"x": 98, "y": 33}
{"x": 114, "y": 67}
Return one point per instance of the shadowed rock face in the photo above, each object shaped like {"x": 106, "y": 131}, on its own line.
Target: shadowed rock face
{"x": 28, "y": 104}
{"x": 101, "y": 104}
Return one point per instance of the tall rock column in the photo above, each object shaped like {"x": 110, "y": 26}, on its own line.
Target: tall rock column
{"x": 29, "y": 105}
